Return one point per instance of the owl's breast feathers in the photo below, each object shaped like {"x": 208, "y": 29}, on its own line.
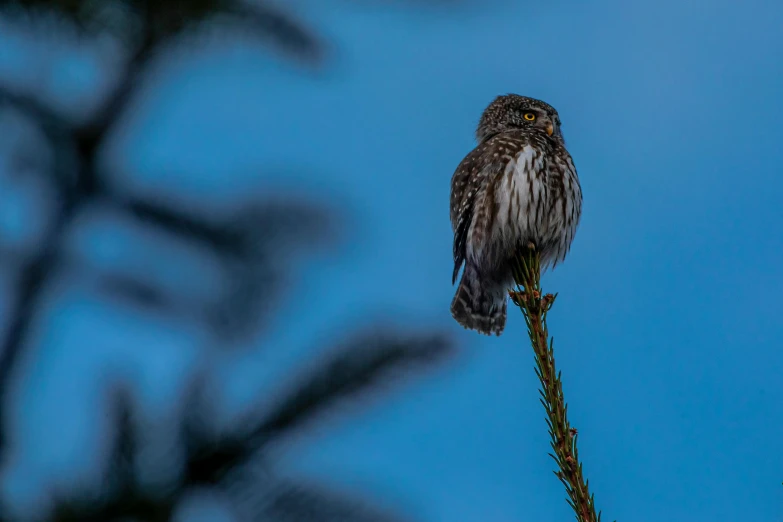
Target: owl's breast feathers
{"x": 513, "y": 188}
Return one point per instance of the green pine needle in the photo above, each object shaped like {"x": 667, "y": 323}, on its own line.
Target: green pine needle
{"x": 534, "y": 305}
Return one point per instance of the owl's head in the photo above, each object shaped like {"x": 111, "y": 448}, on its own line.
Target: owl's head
{"x": 514, "y": 112}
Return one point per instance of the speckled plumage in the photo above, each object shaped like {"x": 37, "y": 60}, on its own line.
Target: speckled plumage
{"x": 518, "y": 186}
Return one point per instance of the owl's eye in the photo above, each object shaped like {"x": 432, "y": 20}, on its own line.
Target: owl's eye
{"x": 529, "y": 116}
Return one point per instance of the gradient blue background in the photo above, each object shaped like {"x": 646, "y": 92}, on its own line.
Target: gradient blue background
{"x": 668, "y": 325}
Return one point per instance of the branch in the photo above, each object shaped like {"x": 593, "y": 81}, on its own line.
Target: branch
{"x": 123, "y": 499}
{"x": 534, "y": 306}
{"x": 358, "y": 367}
{"x": 36, "y": 274}
{"x": 280, "y": 29}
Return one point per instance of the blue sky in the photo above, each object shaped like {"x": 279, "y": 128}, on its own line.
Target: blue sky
{"x": 667, "y": 325}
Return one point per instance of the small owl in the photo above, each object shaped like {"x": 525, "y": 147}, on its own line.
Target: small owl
{"x": 517, "y": 187}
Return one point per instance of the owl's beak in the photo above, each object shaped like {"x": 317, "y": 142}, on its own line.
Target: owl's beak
{"x": 550, "y": 129}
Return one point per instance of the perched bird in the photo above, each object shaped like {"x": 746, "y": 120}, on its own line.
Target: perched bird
{"x": 518, "y": 188}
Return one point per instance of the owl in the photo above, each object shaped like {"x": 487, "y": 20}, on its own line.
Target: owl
{"x": 518, "y": 188}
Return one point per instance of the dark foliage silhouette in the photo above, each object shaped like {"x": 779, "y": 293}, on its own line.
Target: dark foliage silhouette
{"x": 252, "y": 247}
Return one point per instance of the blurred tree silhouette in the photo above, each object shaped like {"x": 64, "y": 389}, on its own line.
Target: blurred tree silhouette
{"x": 249, "y": 249}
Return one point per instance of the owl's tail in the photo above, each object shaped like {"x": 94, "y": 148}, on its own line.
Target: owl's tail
{"x": 477, "y": 307}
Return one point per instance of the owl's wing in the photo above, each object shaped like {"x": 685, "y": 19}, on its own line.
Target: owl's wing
{"x": 460, "y": 238}
{"x": 464, "y": 189}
